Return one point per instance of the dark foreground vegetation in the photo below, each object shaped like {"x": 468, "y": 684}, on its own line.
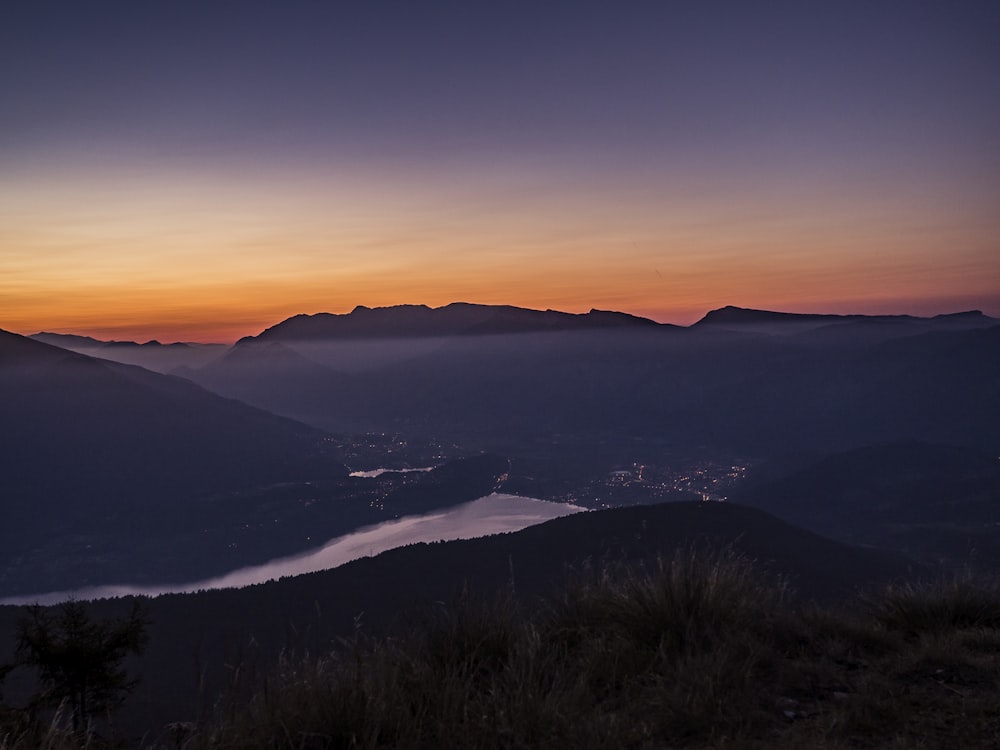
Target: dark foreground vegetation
{"x": 701, "y": 650}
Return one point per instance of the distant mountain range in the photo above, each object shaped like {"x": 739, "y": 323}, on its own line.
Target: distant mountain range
{"x": 152, "y": 355}
{"x": 749, "y": 381}
{"x": 92, "y": 450}
{"x": 854, "y": 328}
{"x": 456, "y": 319}
{"x": 464, "y": 319}
{"x": 67, "y": 340}
{"x": 731, "y": 315}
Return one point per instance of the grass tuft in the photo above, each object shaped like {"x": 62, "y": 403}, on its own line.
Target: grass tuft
{"x": 956, "y": 603}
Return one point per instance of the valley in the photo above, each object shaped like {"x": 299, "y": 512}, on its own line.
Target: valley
{"x": 315, "y": 486}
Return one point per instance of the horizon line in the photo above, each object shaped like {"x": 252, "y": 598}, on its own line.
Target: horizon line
{"x": 88, "y": 332}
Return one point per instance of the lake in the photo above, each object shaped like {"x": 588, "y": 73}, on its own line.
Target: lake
{"x": 493, "y": 514}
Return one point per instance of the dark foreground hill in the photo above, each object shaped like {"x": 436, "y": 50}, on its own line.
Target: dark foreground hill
{"x": 192, "y": 636}
{"x": 694, "y": 651}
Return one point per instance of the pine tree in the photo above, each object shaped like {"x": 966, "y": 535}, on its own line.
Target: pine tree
{"x": 79, "y": 660}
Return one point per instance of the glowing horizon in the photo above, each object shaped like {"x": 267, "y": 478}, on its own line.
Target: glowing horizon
{"x": 199, "y": 259}
{"x": 228, "y": 332}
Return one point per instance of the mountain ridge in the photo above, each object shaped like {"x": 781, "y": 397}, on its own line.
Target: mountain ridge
{"x": 67, "y": 340}
{"x": 470, "y": 319}
{"x": 151, "y": 355}
{"x": 456, "y": 318}
{"x": 732, "y": 317}
{"x": 734, "y": 313}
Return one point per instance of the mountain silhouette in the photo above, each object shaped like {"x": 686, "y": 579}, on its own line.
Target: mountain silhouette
{"x": 744, "y": 319}
{"x": 458, "y": 318}
{"x": 152, "y": 355}
{"x": 68, "y": 340}
{"x": 732, "y": 315}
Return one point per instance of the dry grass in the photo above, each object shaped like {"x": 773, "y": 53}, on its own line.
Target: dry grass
{"x": 18, "y": 734}
{"x": 957, "y": 602}
{"x": 696, "y": 652}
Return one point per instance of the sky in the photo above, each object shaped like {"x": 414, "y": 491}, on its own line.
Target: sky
{"x": 200, "y": 171}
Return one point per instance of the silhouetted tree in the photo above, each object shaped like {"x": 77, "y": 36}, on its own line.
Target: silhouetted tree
{"x": 4, "y": 670}
{"x": 5, "y": 712}
{"x": 79, "y": 660}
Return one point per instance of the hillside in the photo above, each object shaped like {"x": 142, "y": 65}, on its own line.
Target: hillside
{"x": 306, "y": 612}
{"x": 933, "y": 502}
{"x": 114, "y": 474}
{"x": 697, "y": 650}
{"x": 92, "y": 450}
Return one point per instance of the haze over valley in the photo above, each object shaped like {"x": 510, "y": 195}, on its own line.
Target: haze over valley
{"x": 267, "y": 450}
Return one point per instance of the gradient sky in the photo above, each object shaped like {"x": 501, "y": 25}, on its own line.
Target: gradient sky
{"x": 201, "y": 170}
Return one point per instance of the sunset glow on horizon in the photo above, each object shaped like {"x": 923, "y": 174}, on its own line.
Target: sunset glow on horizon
{"x": 662, "y": 162}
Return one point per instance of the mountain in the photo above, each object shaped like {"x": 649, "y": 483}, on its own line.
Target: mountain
{"x": 731, "y": 315}
{"x": 826, "y": 384}
{"x": 459, "y": 387}
{"x": 94, "y": 450}
{"x": 456, "y": 319}
{"x": 748, "y": 320}
{"x": 932, "y": 502}
{"x": 291, "y": 384}
{"x": 152, "y": 355}
{"x": 568, "y": 407}
{"x": 68, "y": 340}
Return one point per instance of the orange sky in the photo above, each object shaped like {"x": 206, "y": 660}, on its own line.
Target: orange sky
{"x": 205, "y": 257}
